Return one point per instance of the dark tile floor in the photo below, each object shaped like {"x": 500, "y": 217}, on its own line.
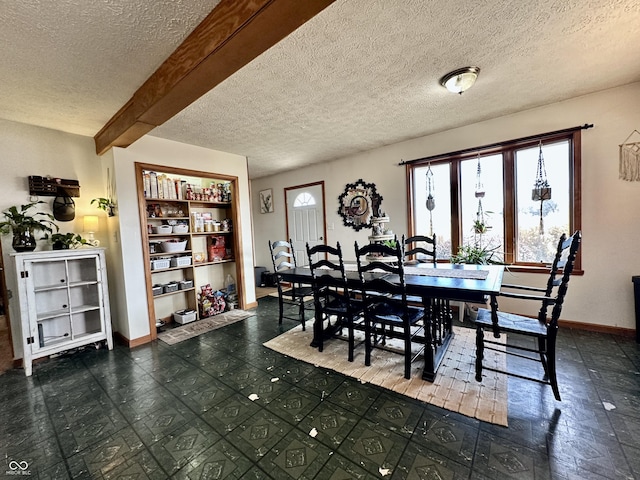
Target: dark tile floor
{"x": 184, "y": 412}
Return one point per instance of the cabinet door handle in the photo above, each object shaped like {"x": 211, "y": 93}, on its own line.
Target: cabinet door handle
{"x": 64, "y": 306}
{"x": 62, "y": 280}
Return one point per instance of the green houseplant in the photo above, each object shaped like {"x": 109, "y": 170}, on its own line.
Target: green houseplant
{"x": 63, "y": 241}
{"x": 23, "y": 224}
{"x": 475, "y": 255}
{"x": 105, "y": 204}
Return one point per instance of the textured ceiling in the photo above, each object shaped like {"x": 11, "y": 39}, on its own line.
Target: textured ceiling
{"x": 361, "y": 74}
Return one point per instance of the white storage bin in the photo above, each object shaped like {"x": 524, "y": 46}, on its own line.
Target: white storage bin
{"x": 172, "y": 247}
{"x": 184, "y": 316}
{"x": 164, "y": 229}
{"x": 181, "y": 261}
{"x": 160, "y": 264}
{"x": 180, "y": 228}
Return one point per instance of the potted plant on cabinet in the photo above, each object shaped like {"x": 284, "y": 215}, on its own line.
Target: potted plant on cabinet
{"x": 23, "y": 225}
{"x": 63, "y": 241}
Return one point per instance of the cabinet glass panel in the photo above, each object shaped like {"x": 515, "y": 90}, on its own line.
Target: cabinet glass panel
{"x": 51, "y": 303}
{"x": 83, "y": 270}
{"x": 86, "y": 323}
{"x": 84, "y": 296}
{"x": 48, "y": 274}
{"x": 53, "y": 331}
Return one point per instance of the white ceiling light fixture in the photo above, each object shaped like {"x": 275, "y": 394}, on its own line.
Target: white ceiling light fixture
{"x": 460, "y": 80}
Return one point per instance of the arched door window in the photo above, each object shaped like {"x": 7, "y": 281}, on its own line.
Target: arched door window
{"x": 305, "y": 199}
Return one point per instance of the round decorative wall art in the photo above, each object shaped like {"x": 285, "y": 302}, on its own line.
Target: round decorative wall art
{"x": 358, "y": 204}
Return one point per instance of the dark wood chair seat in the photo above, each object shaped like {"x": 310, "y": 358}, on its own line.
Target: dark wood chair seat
{"x": 387, "y": 313}
{"x": 543, "y": 330}
{"x": 511, "y": 323}
{"x": 333, "y": 299}
{"x": 289, "y": 294}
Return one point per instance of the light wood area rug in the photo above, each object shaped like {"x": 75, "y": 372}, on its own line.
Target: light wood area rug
{"x": 454, "y": 388}
{"x": 198, "y": 327}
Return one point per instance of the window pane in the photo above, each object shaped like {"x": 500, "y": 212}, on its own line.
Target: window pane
{"x": 532, "y": 246}
{"x": 491, "y": 208}
{"x": 441, "y": 214}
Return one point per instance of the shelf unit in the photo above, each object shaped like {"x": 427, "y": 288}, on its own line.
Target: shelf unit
{"x": 64, "y": 301}
{"x": 212, "y": 249}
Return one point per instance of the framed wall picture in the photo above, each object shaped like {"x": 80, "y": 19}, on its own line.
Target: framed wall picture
{"x": 266, "y": 201}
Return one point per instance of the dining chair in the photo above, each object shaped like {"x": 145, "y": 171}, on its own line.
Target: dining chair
{"x": 290, "y": 294}
{"x": 333, "y": 299}
{"x": 422, "y": 249}
{"x": 542, "y": 329}
{"x": 387, "y": 313}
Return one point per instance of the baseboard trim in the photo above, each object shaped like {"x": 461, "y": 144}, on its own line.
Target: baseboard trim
{"x": 136, "y": 342}
{"x": 591, "y": 327}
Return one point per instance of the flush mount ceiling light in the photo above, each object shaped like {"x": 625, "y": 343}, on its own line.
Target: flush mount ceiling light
{"x": 460, "y": 80}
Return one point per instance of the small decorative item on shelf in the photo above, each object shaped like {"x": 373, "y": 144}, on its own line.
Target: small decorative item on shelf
{"x": 199, "y": 257}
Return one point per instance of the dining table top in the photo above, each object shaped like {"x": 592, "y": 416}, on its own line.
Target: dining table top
{"x": 461, "y": 282}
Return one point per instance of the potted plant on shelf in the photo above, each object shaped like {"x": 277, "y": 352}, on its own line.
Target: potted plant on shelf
{"x": 23, "y": 225}
{"x": 63, "y": 241}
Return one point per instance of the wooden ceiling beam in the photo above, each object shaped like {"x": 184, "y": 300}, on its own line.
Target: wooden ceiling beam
{"x": 231, "y": 36}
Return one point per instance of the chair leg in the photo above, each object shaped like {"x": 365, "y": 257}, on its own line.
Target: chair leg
{"x": 479, "y": 352}
{"x": 542, "y": 351}
{"x": 551, "y": 361}
{"x": 352, "y": 342}
{"x": 407, "y": 354}
{"x": 367, "y": 342}
{"x": 281, "y": 309}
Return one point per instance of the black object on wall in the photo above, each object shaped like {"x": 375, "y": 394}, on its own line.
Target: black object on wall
{"x": 49, "y": 187}
{"x": 64, "y": 208}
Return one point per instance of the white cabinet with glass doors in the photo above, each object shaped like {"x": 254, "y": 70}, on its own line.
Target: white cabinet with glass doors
{"x": 64, "y": 301}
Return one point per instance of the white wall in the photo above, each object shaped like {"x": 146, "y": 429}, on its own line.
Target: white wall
{"x": 610, "y": 213}
{"x": 27, "y": 150}
{"x": 157, "y": 151}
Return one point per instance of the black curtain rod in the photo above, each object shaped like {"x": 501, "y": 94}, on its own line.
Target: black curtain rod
{"x": 498, "y": 144}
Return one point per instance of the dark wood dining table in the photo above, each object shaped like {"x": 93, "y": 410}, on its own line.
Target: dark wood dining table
{"x": 456, "y": 282}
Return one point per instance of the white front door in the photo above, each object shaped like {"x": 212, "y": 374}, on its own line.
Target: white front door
{"x": 305, "y": 218}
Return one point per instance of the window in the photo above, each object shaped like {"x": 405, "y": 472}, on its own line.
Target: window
{"x": 524, "y": 232}
{"x": 304, "y": 200}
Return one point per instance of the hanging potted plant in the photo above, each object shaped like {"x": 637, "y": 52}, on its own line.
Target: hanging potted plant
{"x": 105, "y": 204}
{"x": 23, "y": 225}
{"x": 541, "y": 190}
